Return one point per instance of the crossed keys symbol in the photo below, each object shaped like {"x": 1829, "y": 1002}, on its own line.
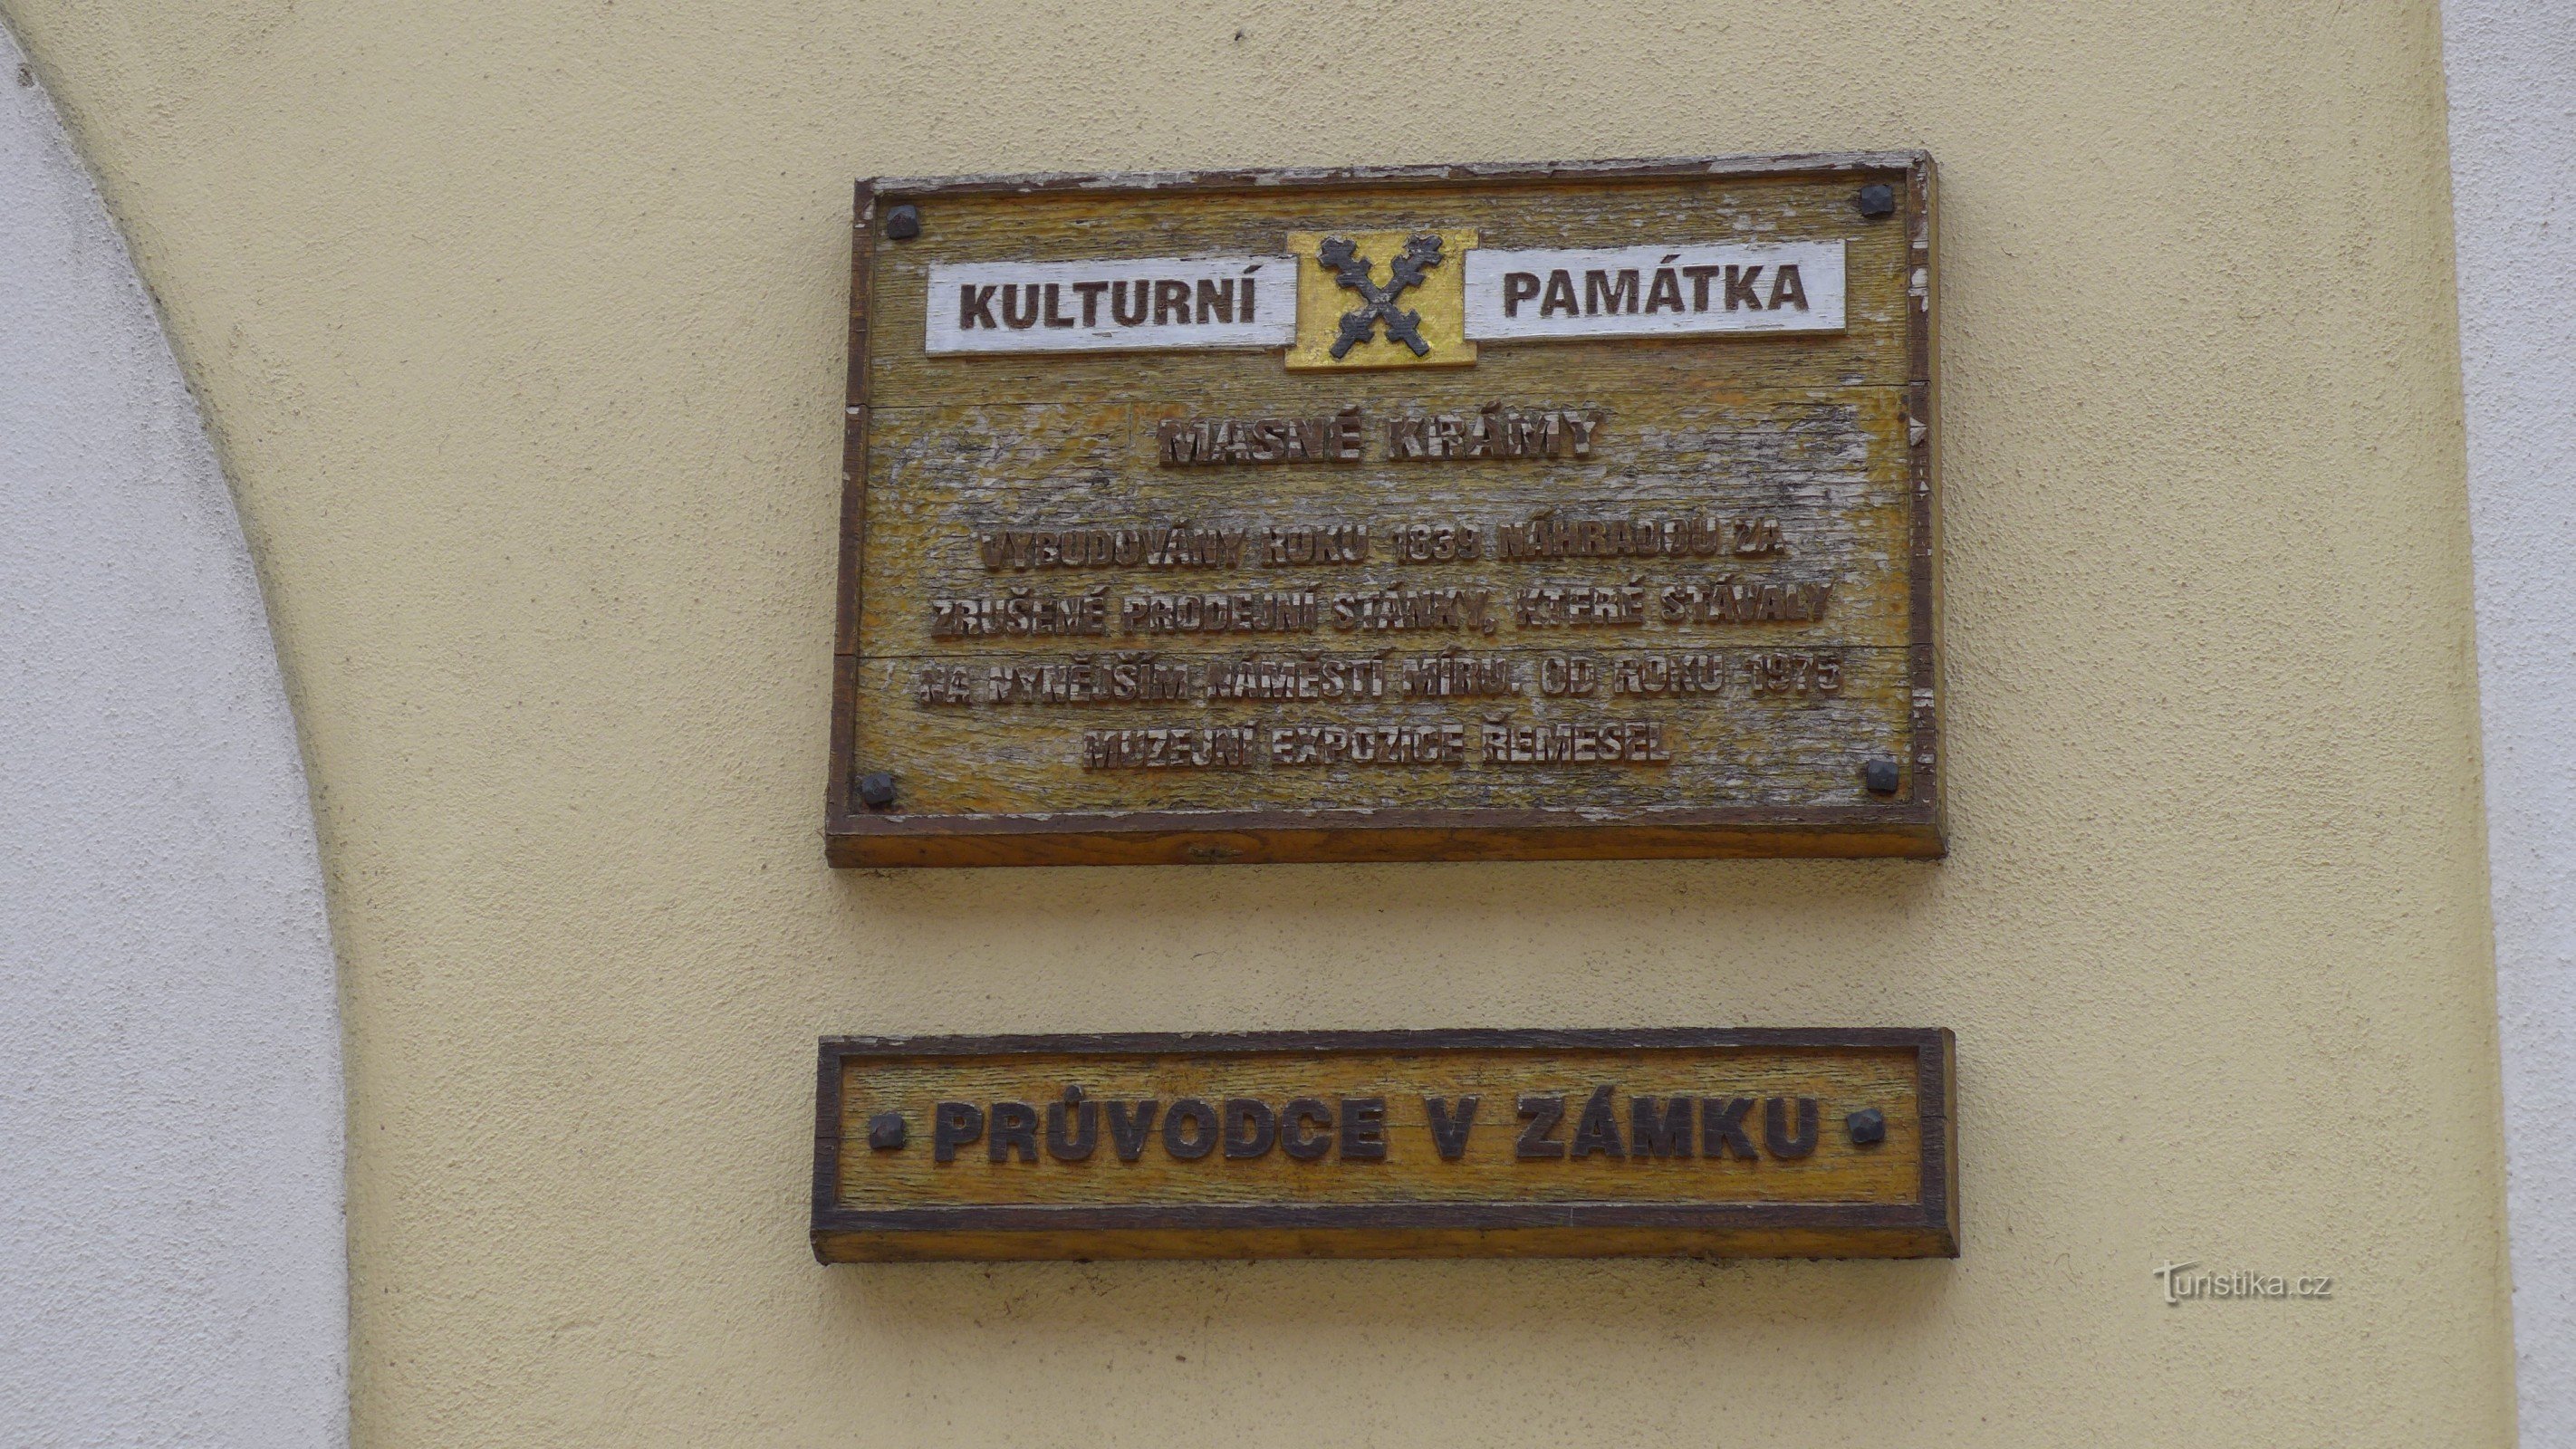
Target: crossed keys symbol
{"x": 1351, "y": 269}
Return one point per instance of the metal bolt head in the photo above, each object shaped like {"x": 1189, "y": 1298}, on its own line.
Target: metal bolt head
{"x": 1868, "y": 1127}
{"x": 903, "y": 223}
{"x": 886, "y": 1131}
{"x": 1878, "y": 199}
{"x": 876, "y": 791}
{"x": 1880, "y": 776}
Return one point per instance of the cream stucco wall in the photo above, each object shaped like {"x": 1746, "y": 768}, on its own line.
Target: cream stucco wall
{"x": 519, "y": 328}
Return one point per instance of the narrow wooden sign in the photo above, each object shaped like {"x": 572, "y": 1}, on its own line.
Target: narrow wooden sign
{"x": 1466, "y": 512}
{"x": 1790, "y": 1143}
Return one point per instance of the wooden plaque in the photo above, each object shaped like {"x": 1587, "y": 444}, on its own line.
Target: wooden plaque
{"x": 1664, "y": 1143}
{"x": 1468, "y": 512}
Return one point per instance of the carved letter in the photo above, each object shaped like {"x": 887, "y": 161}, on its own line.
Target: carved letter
{"x": 1739, "y": 287}
{"x": 1448, "y": 1133}
{"x": 1785, "y": 284}
{"x": 1560, "y": 295}
{"x": 1249, "y": 1127}
{"x": 1775, "y": 1127}
{"x": 1598, "y": 1131}
{"x": 1055, "y": 315}
{"x": 1090, "y": 292}
{"x": 1201, "y": 1140}
{"x": 1295, "y": 1140}
{"x": 1538, "y": 1138}
{"x": 1363, "y": 1129}
{"x": 1218, "y": 296}
{"x": 1666, "y": 294}
{"x": 1518, "y": 287}
{"x": 1012, "y": 315}
{"x": 1015, "y": 1124}
{"x": 1127, "y": 1134}
{"x": 1086, "y": 1138}
{"x": 1606, "y": 292}
{"x": 1721, "y": 1128}
{"x": 952, "y": 1125}
{"x": 1118, "y": 294}
{"x": 1664, "y": 1133}
{"x": 1170, "y": 298}
{"x": 975, "y": 305}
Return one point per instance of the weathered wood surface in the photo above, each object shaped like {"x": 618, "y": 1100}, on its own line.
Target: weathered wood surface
{"x": 1825, "y": 438}
{"x": 942, "y": 477}
{"x": 1197, "y": 837}
{"x": 1738, "y": 1175}
{"x": 1871, "y": 349}
{"x": 1778, "y": 750}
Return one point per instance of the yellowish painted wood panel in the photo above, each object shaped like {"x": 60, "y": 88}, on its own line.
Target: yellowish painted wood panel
{"x": 1413, "y": 1170}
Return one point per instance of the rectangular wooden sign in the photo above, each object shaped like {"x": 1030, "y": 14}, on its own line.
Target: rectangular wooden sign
{"x": 1790, "y": 1143}
{"x": 1415, "y": 513}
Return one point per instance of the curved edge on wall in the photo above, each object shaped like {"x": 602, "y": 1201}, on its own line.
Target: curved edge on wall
{"x": 171, "y": 1111}
{"x": 2511, "y": 73}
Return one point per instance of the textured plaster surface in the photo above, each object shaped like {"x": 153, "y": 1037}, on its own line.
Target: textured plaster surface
{"x": 2513, "y": 135}
{"x": 171, "y": 1240}
{"x": 522, "y": 328}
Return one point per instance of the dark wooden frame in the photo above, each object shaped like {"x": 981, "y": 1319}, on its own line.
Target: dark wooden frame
{"x": 1926, "y": 1228}
{"x": 1912, "y": 824}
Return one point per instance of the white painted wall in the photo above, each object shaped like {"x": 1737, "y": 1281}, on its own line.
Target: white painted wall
{"x": 172, "y": 1259}
{"x": 2512, "y": 71}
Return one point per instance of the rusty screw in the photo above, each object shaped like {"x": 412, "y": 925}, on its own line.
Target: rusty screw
{"x": 1868, "y": 1127}
{"x": 886, "y": 1131}
{"x": 1879, "y": 775}
{"x": 1878, "y": 199}
{"x": 876, "y": 791}
{"x": 903, "y": 223}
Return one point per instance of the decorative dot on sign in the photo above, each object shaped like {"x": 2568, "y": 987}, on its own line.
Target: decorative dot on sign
{"x": 1868, "y": 1127}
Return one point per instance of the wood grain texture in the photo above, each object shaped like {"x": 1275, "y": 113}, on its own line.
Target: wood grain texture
{"x": 1777, "y": 751}
{"x": 1827, "y": 438}
{"x": 1872, "y": 348}
{"x": 1411, "y": 1196}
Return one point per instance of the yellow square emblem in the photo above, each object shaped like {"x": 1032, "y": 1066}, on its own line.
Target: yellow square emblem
{"x": 1371, "y": 299}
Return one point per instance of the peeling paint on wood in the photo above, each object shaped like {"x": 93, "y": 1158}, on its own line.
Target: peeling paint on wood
{"x": 1692, "y": 576}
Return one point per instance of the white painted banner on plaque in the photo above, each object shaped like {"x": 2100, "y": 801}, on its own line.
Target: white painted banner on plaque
{"x": 1147, "y": 304}
{"x": 1655, "y": 291}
